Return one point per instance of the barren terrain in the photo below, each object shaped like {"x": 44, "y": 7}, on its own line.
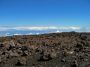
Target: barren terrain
{"x": 67, "y": 49}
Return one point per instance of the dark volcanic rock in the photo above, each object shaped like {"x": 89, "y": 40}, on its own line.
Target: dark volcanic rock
{"x": 67, "y": 49}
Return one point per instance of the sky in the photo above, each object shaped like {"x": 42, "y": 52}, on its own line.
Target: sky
{"x": 45, "y": 13}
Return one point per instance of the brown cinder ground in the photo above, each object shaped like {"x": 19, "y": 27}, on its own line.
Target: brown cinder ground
{"x": 67, "y": 49}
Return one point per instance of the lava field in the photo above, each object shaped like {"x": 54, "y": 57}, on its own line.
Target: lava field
{"x": 66, "y": 49}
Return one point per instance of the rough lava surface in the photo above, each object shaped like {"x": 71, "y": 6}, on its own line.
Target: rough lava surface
{"x": 67, "y": 49}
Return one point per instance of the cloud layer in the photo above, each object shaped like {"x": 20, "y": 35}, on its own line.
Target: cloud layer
{"x": 40, "y": 28}
{"x": 21, "y": 30}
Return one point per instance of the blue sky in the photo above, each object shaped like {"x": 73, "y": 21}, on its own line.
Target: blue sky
{"x": 45, "y": 13}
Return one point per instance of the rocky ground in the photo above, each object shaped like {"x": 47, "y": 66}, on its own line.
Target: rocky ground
{"x": 68, "y": 49}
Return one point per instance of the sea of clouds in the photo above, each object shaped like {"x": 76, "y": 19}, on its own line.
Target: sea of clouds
{"x": 29, "y": 30}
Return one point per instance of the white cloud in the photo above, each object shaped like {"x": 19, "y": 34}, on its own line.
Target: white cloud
{"x": 34, "y": 28}
{"x": 7, "y": 34}
{"x": 17, "y": 34}
{"x": 47, "y": 28}
{"x": 58, "y": 31}
{"x": 29, "y": 33}
{"x": 3, "y": 28}
{"x": 37, "y": 33}
{"x": 41, "y": 28}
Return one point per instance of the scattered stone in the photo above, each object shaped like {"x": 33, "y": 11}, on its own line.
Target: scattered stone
{"x": 49, "y": 50}
{"x": 21, "y": 61}
{"x": 1, "y": 45}
{"x": 13, "y": 53}
{"x": 12, "y": 44}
